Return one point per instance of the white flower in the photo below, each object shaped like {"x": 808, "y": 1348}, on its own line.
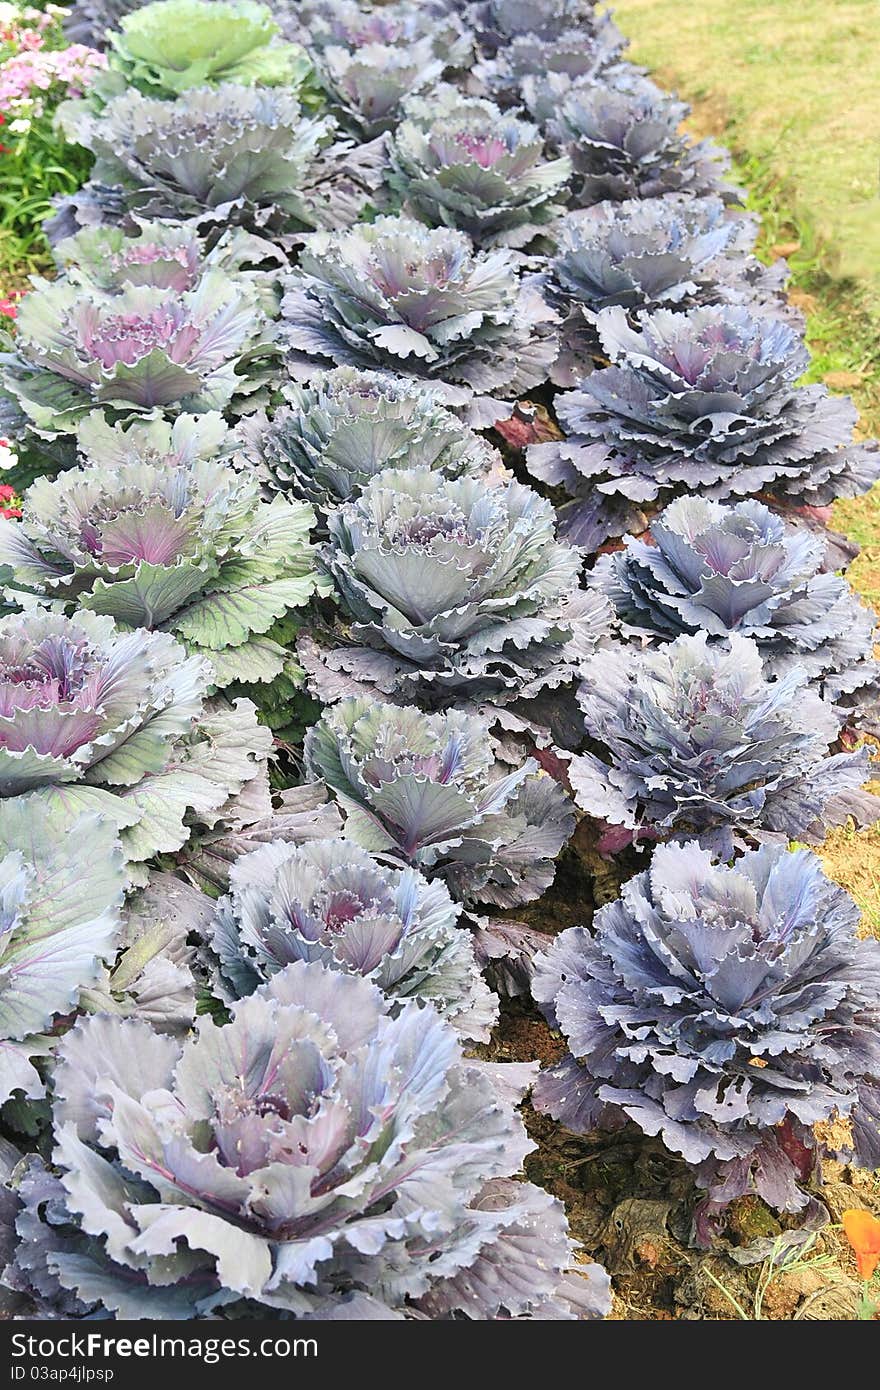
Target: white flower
{"x": 20, "y": 126}
{"x": 8, "y": 458}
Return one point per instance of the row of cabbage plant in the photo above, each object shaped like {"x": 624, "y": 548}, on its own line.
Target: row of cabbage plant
{"x": 322, "y": 641}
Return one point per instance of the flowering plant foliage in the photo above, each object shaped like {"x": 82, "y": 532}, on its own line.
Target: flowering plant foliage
{"x": 191, "y": 550}
{"x": 420, "y": 302}
{"x": 336, "y": 434}
{"x": 701, "y": 744}
{"x": 705, "y": 401}
{"x": 316, "y": 1155}
{"x": 460, "y": 162}
{"x": 427, "y": 790}
{"x": 38, "y": 71}
{"x": 452, "y": 590}
{"x": 722, "y": 569}
{"x": 146, "y": 347}
{"x": 101, "y": 720}
{"x": 332, "y": 902}
{"x": 725, "y": 1009}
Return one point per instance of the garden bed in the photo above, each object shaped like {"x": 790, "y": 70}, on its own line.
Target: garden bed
{"x": 432, "y": 679}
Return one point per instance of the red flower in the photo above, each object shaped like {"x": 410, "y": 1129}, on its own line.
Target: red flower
{"x": 8, "y": 309}
{"x": 6, "y": 490}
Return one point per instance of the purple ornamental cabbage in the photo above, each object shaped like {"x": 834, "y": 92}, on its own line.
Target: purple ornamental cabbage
{"x": 550, "y": 57}
{"x": 114, "y": 722}
{"x": 367, "y": 88}
{"x": 295, "y": 816}
{"x": 321, "y": 24}
{"x": 61, "y": 887}
{"x": 726, "y": 1010}
{"x": 224, "y": 155}
{"x": 317, "y": 1156}
{"x": 422, "y": 303}
{"x": 460, "y": 162}
{"x": 426, "y": 790}
{"x": 450, "y": 590}
{"x": 170, "y": 256}
{"x": 723, "y": 569}
{"x": 191, "y": 550}
{"x": 700, "y": 402}
{"x": 628, "y": 144}
{"x": 497, "y": 22}
{"x": 146, "y": 348}
{"x": 333, "y": 436}
{"x": 332, "y": 902}
{"x": 673, "y": 252}
{"x": 697, "y": 743}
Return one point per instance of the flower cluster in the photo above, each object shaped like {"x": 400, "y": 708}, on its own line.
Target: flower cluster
{"x": 39, "y": 78}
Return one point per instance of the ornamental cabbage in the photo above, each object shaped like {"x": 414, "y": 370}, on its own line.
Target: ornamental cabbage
{"x": 61, "y": 887}
{"x": 741, "y": 569}
{"x": 726, "y": 1010}
{"x": 422, "y": 303}
{"x": 547, "y": 59}
{"x": 330, "y": 901}
{"x": 460, "y": 162}
{"x": 190, "y": 550}
{"x": 321, "y": 24}
{"x": 170, "y": 46}
{"x": 450, "y": 590}
{"x": 672, "y": 252}
{"x": 700, "y": 744}
{"x": 700, "y": 402}
{"x": 336, "y": 434}
{"x": 78, "y": 348}
{"x": 497, "y": 22}
{"x": 228, "y": 155}
{"x": 317, "y": 1156}
{"x": 116, "y": 722}
{"x": 628, "y": 144}
{"x": 367, "y": 88}
{"x": 427, "y": 790}
{"x": 170, "y": 256}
